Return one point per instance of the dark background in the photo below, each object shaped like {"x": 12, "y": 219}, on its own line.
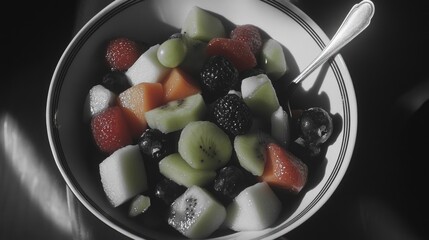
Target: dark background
{"x": 382, "y": 196}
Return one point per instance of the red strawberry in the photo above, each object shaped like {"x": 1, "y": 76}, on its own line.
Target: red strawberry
{"x": 238, "y": 52}
{"x": 122, "y": 52}
{"x": 249, "y": 34}
{"x": 110, "y": 131}
{"x": 283, "y": 169}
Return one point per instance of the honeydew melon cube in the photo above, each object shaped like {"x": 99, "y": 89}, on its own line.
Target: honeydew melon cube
{"x": 255, "y": 208}
{"x": 139, "y": 205}
{"x": 202, "y": 25}
{"x": 123, "y": 174}
{"x": 259, "y": 94}
{"x": 147, "y": 68}
{"x": 273, "y": 59}
{"x": 98, "y": 99}
{"x": 177, "y": 169}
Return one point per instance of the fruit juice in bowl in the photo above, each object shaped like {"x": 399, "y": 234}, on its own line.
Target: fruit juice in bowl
{"x": 166, "y": 119}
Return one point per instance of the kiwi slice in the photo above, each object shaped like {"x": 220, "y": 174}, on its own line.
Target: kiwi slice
{"x": 175, "y": 115}
{"x": 175, "y": 168}
{"x": 250, "y": 150}
{"x": 204, "y": 145}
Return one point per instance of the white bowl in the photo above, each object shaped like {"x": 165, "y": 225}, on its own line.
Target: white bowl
{"x": 152, "y": 21}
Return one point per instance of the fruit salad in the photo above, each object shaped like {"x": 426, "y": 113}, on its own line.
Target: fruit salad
{"x": 191, "y": 131}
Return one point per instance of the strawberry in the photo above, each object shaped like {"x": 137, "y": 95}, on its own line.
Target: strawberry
{"x": 283, "y": 169}
{"x": 249, "y": 34}
{"x": 238, "y": 52}
{"x": 122, "y": 52}
{"x": 109, "y": 130}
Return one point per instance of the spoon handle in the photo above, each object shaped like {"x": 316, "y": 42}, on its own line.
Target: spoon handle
{"x": 355, "y": 22}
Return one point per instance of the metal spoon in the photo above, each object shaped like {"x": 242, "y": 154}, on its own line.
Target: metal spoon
{"x": 356, "y": 21}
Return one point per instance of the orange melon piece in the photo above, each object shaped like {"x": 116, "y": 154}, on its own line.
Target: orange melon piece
{"x": 137, "y": 100}
{"x": 178, "y": 85}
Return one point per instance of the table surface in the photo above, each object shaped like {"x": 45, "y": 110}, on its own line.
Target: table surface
{"x": 380, "y": 196}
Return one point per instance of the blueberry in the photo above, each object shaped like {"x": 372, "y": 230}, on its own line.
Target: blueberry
{"x": 315, "y": 125}
{"x": 116, "y": 81}
{"x": 251, "y": 72}
{"x": 168, "y": 190}
{"x": 230, "y": 181}
{"x": 155, "y": 144}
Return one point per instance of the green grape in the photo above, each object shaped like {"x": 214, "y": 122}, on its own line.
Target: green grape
{"x": 172, "y": 52}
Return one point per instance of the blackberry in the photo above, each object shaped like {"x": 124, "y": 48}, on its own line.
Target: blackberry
{"x": 232, "y": 114}
{"x": 218, "y": 75}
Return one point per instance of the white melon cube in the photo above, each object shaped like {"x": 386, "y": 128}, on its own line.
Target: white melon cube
{"x": 255, "y": 208}
{"x": 238, "y": 93}
{"x": 98, "y": 99}
{"x": 123, "y": 174}
{"x": 147, "y": 68}
{"x": 196, "y": 213}
{"x": 280, "y": 126}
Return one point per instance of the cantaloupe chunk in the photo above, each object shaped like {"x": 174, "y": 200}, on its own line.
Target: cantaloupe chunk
{"x": 179, "y": 85}
{"x": 137, "y": 100}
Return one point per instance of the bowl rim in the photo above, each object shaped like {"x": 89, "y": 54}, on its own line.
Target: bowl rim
{"x": 338, "y": 67}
